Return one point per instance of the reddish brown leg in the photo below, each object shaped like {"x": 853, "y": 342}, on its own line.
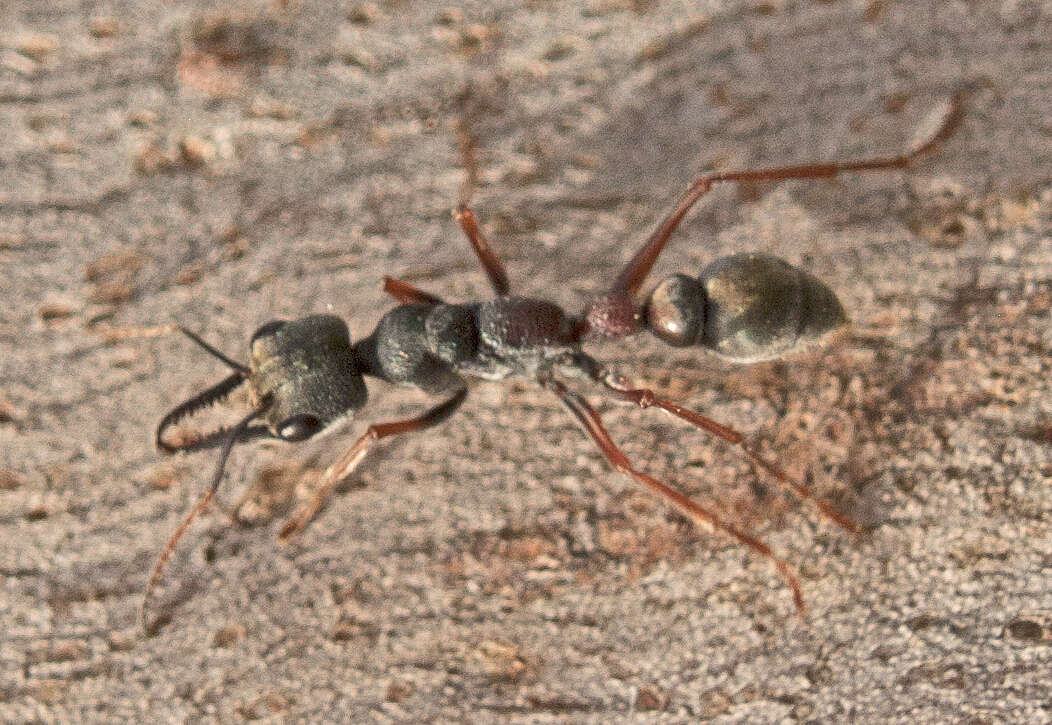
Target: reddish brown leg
{"x": 592, "y": 424}
{"x": 201, "y": 505}
{"x": 491, "y": 264}
{"x": 346, "y": 463}
{"x": 637, "y": 269}
{"x": 467, "y": 147}
{"x": 408, "y": 294}
{"x": 645, "y": 398}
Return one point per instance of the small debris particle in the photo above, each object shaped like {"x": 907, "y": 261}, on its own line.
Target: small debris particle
{"x": 112, "y": 264}
{"x": 500, "y": 661}
{"x": 714, "y": 703}
{"x": 18, "y": 63}
{"x": 228, "y": 635}
{"x": 37, "y": 47}
{"x": 114, "y": 276}
{"x": 767, "y": 7}
{"x": 190, "y": 273}
{"x": 922, "y": 622}
{"x": 121, "y": 641}
{"x": 195, "y": 151}
{"x": 276, "y": 702}
{"x": 363, "y": 14}
{"x": 9, "y": 413}
{"x": 112, "y": 293}
{"x": 561, "y": 49}
{"x": 661, "y": 46}
{"x": 234, "y": 39}
{"x": 36, "y": 513}
{"x": 360, "y": 58}
{"x": 54, "y": 311}
{"x": 103, "y": 27}
{"x": 527, "y": 548}
{"x": 142, "y": 118}
{"x": 450, "y": 16}
{"x": 894, "y": 102}
{"x": 68, "y": 652}
{"x": 650, "y": 698}
{"x": 1027, "y": 630}
{"x": 351, "y": 629}
{"x": 163, "y": 478}
{"x": 264, "y": 106}
{"x": 472, "y": 38}
{"x": 247, "y": 711}
{"x": 397, "y": 691}
{"x": 875, "y": 11}
{"x": 9, "y": 480}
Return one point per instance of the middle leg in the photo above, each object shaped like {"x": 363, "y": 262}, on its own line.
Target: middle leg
{"x": 491, "y": 264}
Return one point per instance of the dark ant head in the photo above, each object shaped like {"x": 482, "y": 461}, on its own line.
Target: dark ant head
{"x": 746, "y": 307}
{"x": 303, "y": 376}
{"x": 308, "y": 371}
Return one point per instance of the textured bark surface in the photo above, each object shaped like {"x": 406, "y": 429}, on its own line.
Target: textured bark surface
{"x": 220, "y": 165}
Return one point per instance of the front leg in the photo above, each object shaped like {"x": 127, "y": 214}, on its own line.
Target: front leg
{"x": 346, "y": 463}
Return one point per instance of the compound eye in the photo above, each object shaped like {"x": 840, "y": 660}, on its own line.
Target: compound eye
{"x": 298, "y": 427}
{"x": 266, "y": 329}
{"x": 675, "y": 310}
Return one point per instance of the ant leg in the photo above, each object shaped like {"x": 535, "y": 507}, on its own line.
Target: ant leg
{"x": 491, "y": 264}
{"x": 467, "y": 147}
{"x": 645, "y": 398}
{"x": 234, "y": 435}
{"x": 633, "y": 274}
{"x": 346, "y": 463}
{"x": 408, "y": 294}
{"x": 592, "y": 424}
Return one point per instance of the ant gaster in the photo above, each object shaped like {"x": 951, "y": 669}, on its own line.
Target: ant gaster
{"x": 304, "y": 375}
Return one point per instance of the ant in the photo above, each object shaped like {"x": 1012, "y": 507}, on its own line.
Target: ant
{"x": 305, "y": 375}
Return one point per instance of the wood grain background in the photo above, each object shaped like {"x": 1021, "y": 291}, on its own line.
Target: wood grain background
{"x": 222, "y": 164}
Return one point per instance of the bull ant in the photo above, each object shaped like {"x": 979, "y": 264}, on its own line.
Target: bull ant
{"x": 305, "y": 375}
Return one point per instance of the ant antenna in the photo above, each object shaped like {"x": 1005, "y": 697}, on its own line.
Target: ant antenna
{"x": 232, "y": 364}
